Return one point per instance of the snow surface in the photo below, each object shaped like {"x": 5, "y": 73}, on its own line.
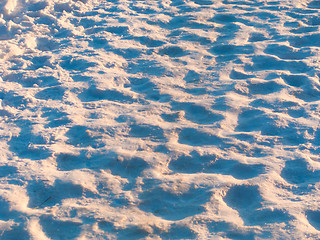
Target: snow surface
{"x": 159, "y": 119}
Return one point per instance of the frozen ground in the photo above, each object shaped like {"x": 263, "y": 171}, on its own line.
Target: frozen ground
{"x": 159, "y": 119}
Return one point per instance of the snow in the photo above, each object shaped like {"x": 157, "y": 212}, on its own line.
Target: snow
{"x": 159, "y": 119}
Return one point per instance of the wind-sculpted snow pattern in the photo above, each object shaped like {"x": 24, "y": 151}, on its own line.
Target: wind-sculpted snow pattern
{"x": 159, "y": 119}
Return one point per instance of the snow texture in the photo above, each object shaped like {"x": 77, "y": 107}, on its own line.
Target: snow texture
{"x": 159, "y": 119}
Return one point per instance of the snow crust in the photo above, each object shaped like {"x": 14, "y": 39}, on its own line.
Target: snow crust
{"x": 159, "y": 119}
